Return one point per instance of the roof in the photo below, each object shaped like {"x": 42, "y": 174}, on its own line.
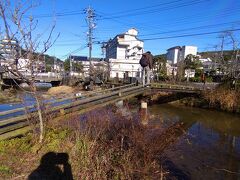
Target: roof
{"x": 123, "y": 34}
{"x": 78, "y": 58}
{"x": 85, "y": 58}
{"x": 175, "y": 47}
{"x": 97, "y": 59}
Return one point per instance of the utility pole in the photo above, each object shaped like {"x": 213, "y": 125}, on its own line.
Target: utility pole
{"x": 222, "y": 65}
{"x": 91, "y": 25}
{"x": 70, "y": 62}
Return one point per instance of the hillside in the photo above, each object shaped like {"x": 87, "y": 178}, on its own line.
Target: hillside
{"x": 216, "y": 54}
{"x": 50, "y": 59}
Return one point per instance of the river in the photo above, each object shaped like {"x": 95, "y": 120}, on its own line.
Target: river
{"x": 210, "y": 146}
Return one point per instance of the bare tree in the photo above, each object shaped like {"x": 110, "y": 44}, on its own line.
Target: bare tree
{"x": 229, "y": 63}
{"x": 234, "y": 64}
{"x": 19, "y": 31}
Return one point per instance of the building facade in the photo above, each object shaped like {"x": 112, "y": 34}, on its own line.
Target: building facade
{"x": 125, "y": 46}
{"x": 123, "y": 54}
{"x": 9, "y": 52}
{"x": 178, "y": 53}
{"x": 173, "y": 54}
{"x": 120, "y": 68}
{"x": 98, "y": 64}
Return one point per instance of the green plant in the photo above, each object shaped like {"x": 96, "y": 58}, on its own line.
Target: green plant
{"x": 5, "y": 170}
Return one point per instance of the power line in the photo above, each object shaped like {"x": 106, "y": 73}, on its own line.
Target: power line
{"x": 189, "y": 35}
{"x": 187, "y": 29}
{"x": 146, "y": 7}
{"x": 166, "y": 32}
{"x": 74, "y": 51}
{"x": 154, "y": 10}
{"x": 67, "y": 13}
{"x": 196, "y": 19}
{"x": 183, "y": 20}
{"x": 116, "y": 18}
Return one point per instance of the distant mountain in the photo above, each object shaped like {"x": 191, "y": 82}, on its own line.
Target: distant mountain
{"x": 216, "y": 54}
{"x": 49, "y": 60}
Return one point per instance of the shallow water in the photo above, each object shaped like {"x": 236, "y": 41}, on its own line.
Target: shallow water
{"x": 27, "y": 100}
{"x": 210, "y": 146}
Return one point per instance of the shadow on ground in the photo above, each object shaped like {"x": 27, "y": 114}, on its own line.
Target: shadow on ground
{"x": 53, "y": 166}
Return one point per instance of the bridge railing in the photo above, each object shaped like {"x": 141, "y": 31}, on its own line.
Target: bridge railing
{"x": 176, "y": 87}
{"x": 16, "y": 121}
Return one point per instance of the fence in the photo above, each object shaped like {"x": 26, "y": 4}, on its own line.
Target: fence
{"x": 18, "y": 121}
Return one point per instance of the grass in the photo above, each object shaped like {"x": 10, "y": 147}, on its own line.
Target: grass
{"x": 8, "y": 97}
{"x": 100, "y": 145}
{"x": 5, "y": 170}
{"x": 224, "y": 99}
{"x": 60, "y": 90}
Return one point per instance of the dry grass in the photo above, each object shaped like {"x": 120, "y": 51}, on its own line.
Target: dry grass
{"x": 225, "y": 99}
{"x": 8, "y": 97}
{"x": 101, "y": 145}
{"x": 60, "y": 90}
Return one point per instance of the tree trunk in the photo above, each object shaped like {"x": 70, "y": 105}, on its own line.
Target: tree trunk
{"x": 40, "y": 119}
{"x": 39, "y": 110}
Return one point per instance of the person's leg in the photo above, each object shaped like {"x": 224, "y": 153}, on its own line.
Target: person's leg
{"x": 143, "y": 76}
{"x": 148, "y": 74}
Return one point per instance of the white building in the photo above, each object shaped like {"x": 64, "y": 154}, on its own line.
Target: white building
{"x": 125, "y": 46}
{"x": 186, "y": 50}
{"x": 173, "y": 54}
{"x": 123, "y": 54}
{"x": 97, "y": 63}
{"x": 9, "y": 51}
{"x": 208, "y": 64}
{"x": 24, "y": 65}
{"x": 122, "y": 68}
{"x": 178, "y": 53}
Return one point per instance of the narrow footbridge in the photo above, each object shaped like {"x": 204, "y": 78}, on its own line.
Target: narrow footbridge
{"x": 20, "y": 120}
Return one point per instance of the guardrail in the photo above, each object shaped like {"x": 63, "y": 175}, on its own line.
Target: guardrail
{"x": 175, "y": 87}
{"x": 17, "y": 121}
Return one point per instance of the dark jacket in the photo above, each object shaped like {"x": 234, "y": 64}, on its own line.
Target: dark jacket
{"x": 149, "y": 59}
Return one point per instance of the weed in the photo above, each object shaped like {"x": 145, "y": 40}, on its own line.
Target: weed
{"x": 5, "y": 170}
{"x": 104, "y": 145}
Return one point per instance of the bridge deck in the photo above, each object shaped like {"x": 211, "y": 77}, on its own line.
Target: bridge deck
{"x": 16, "y": 121}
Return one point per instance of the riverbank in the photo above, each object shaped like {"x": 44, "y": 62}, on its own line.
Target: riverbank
{"x": 8, "y": 96}
{"x": 219, "y": 99}
{"x": 98, "y": 145}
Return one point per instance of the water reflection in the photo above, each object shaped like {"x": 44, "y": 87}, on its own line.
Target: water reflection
{"x": 211, "y": 148}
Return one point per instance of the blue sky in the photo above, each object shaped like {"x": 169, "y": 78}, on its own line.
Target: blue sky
{"x": 155, "y": 20}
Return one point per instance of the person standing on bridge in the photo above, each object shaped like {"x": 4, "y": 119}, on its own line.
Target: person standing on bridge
{"x": 146, "y": 62}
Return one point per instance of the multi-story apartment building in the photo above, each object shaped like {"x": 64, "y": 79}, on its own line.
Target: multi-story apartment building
{"x": 9, "y": 51}
{"x": 125, "y": 46}
{"x": 178, "y": 53}
{"x": 123, "y": 53}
